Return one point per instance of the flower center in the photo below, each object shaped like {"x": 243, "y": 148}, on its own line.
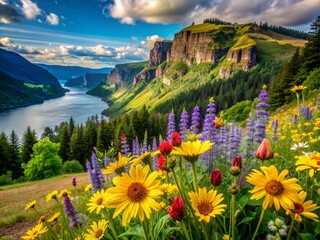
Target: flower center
{"x": 298, "y": 208}
{"x": 205, "y": 208}
{"x": 98, "y": 234}
{"x": 35, "y": 233}
{"x": 274, "y": 188}
{"x": 99, "y": 201}
{"x": 299, "y": 148}
{"x": 136, "y": 192}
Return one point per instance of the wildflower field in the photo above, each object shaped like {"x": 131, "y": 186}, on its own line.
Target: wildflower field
{"x": 260, "y": 181}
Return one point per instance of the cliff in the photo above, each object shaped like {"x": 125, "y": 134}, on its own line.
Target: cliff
{"x": 88, "y": 80}
{"x": 124, "y": 73}
{"x": 158, "y": 53}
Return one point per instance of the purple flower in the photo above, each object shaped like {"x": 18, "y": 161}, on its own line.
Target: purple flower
{"x": 125, "y": 149}
{"x": 275, "y": 125}
{"x": 154, "y": 148}
{"x": 249, "y": 143}
{"x": 171, "y": 125}
{"x": 195, "y": 120}
{"x": 106, "y": 161}
{"x": 71, "y": 212}
{"x": 184, "y": 120}
{"x": 96, "y": 178}
{"x": 135, "y": 147}
{"x": 262, "y": 116}
{"x": 145, "y": 142}
{"x": 234, "y": 141}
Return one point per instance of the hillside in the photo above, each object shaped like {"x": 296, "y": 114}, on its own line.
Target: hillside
{"x": 202, "y": 61}
{"x": 68, "y": 72}
{"x": 89, "y": 80}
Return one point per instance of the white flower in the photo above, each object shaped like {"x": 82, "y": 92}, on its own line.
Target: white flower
{"x": 271, "y": 226}
{"x": 299, "y": 146}
{"x": 283, "y": 232}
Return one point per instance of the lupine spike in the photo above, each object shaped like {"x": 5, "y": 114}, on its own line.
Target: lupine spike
{"x": 125, "y": 149}
{"x": 195, "y": 120}
{"x": 171, "y": 125}
{"x": 184, "y": 120}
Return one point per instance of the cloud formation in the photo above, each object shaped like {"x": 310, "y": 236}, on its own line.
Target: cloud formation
{"x": 150, "y": 40}
{"x": 284, "y": 12}
{"x": 8, "y": 14}
{"x": 30, "y": 9}
{"x": 52, "y": 19}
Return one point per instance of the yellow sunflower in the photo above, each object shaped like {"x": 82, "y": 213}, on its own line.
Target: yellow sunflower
{"x": 117, "y": 166}
{"x": 64, "y": 193}
{"x": 145, "y": 158}
{"x": 35, "y": 232}
{"x": 88, "y": 188}
{"x": 274, "y": 187}
{"x": 97, "y": 230}
{"x": 206, "y": 204}
{"x": 311, "y": 162}
{"x": 30, "y": 205}
{"x": 54, "y": 217}
{"x": 134, "y": 194}
{"x": 298, "y": 89}
{"x": 303, "y": 208}
{"x": 192, "y": 150}
{"x": 52, "y": 195}
{"x": 98, "y": 201}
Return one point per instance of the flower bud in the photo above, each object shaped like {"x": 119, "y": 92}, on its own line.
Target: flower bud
{"x": 264, "y": 150}
{"x": 74, "y": 181}
{"x": 162, "y": 163}
{"x": 165, "y": 148}
{"x": 234, "y": 188}
{"x": 176, "y": 140}
{"x": 177, "y": 209}
{"x": 216, "y": 177}
{"x": 236, "y": 167}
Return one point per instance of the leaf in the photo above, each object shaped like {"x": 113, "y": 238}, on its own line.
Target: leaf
{"x": 169, "y": 230}
{"x": 246, "y": 219}
{"x": 160, "y": 225}
{"x": 317, "y": 229}
{"x": 136, "y": 231}
{"x": 307, "y": 236}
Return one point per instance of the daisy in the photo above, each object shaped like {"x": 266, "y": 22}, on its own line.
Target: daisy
{"x": 30, "y": 205}
{"x": 206, "y": 204}
{"x": 298, "y": 89}
{"x": 52, "y": 195}
{"x": 88, "y": 188}
{"x": 54, "y": 217}
{"x": 192, "y": 150}
{"x": 97, "y": 230}
{"x": 134, "y": 194}
{"x": 275, "y": 189}
{"x": 311, "y": 162}
{"x": 117, "y": 166}
{"x": 98, "y": 201}
{"x": 146, "y": 158}
{"x": 303, "y": 208}
{"x": 299, "y": 146}
{"x": 64, "y": 193}
{"x": 35, "y": 232}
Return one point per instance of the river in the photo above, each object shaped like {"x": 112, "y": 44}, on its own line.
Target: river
{"x": 52, "y": 112}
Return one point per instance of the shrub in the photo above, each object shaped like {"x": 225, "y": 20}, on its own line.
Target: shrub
{"x": 6, "y": 179}
{"x": 72, "y": 166}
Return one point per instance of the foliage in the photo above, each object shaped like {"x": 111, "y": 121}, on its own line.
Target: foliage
{"x": 313, "y": 79}
{"x": 284, "y": 30}
{"x": 6, "y": 179}
{"x": 72, "y": 166}
{"x": 45, "y": 161}
{"x": 238, "y": 112}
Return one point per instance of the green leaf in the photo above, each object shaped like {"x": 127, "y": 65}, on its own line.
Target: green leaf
{"x": 307, "y": 236}
{"x": 169, "y": 230}
{"x": 160, "y": 225}
{"x": 136, "y": 231}
{"x": 317, "y": 229}
{"x": 246, "y": 219}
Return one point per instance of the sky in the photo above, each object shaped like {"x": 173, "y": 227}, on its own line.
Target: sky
{"x": 102, "y": 33}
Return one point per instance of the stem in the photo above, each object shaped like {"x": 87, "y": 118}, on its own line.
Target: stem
{"x": 233, "y": 222}
{"x": 110, "y": 223}
{"x": 185, "y": 230}
{"x": 259, "y": 223}
{"x": 290, "y": 229}
{"x": 204, "y": 230}
{"x": 194, "y": 171}
{"x": 145, "y": 230}
{"x": 178, "y": 185}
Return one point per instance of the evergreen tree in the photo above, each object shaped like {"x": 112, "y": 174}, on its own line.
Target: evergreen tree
{"x": 48, "y": 133}
{"x": 90, "y": 137}
{"x": 28, "y": 140}
{"x": 78, "y": 146}
{"x": 64, "y": 141}
{"x": 4, "y": 153}
{"x": 14, "y": 155}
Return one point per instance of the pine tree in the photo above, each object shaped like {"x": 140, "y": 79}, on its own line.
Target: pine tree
{"x": 28, "y": 140}
{"x": 4, "y": 153}
{"x": 77, "y": 146}
{"x": 14, "y": 155}
{"x": 64, "y": 141}
{"x": 90, "y": 137}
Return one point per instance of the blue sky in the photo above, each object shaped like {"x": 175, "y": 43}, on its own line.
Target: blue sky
{"x": 102, "y": 33}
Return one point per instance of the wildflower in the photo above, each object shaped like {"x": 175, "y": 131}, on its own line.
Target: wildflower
{"x": 30, "y": 205}
{"x": 176, "y": 140}
{"x": 35, "y": 232}
{"x": 162, "y": 163}
{"x": 145, "y": 158}
{"x": 302, "y": 207}
{"x": 195, "y": 120}
{"x": 54, "y": 217}
{"x": 236, "y": 167}
{"x": 42, "y": 219}
{"x": 71, "y": 212}
{"x": 88, "y": 188}
{"x": 264, "y": 151}
{"x": 226, "y": 237}
{"x": 184, "y": 120}
{"x": 74, "y": 181}
{"x": 98, "y": 201}
{"x": 177, "y": 209}
{"x": 125, "y": 149}
{"x": 218, "y": 122}
{"x": 169, "y": 188}
{"x": 298, "y": 89}
{"x": 275, "y": 189}
{"x": 299, "y": 146}
{"x": 192, "y": 150}
{"x": 207, "y": 204}
{"x": 311, "y": 162}
{"x": 97, "y": 230}
{"x": 118, "y": 166}
{"x": 135, "y": 194}
{"x": 216, "y": 177}
{"x": 52, "y": 195}
{"x": 165, "y": 148}
{"x": 96, "y": 178}
{"x": 171, "y": 125}
{"x": 64, "y": 193}
{"x": 278, "y": 225}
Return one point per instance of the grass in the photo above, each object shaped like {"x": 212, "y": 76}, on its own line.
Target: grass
{"x": 243, "y": 42}
{"x": 13, "y": 199}
{"x": 32, "y": 85}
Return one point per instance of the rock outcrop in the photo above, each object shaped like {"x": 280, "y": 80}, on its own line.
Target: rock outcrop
{"x": 123, "y": 73}
{"x": 158, "y": 53}
{"x": 193, "y": 48}
{"x": 146, "y": 74}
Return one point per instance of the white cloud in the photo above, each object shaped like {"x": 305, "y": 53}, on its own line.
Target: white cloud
{"x": 52, "y": 19}
{"x": 284, "y": 12}
{"x": 30, "y": 9}
{"x": 3, "y": 2}
{"x": 150, "y": 40}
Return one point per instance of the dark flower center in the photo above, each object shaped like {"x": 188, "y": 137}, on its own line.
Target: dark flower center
{"x": 98, "y": 234}
{"x": 273, "y": 187}
{"x": 136, "y": 192}
{"x": 99, "y": 201}
{"x": 205, "y": 208}
{"x": 298, "y": 208}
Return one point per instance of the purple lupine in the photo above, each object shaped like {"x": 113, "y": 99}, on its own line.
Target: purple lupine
{"x": 95, "y": 175}
{"x": 125, "y": 149}
{"x": 71, "y": 212}
{"x": 154, "y": 149}
{"x": 135, "y": 147}
{"x": 145, "y": 142}
{"x": 295, "y": 118}
{"x": 195, "y": 120}
{"x": 275, "y": 125}
{"x": 106, "y": 161}
{"x": 222, "y": 142}
{"x": 171, "y": 125}
{"x": 262, "y": 115}
{"x": 306, "y": 112}
{"x": 249, "y": 139}
{"x": 184, "y": 120}
{"x": 233, "y": 142}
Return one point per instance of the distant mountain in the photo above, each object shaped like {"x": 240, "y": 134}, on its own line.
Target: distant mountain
{"x": 89, "y": 80}
{"x": 20, "y": 68}
{"x": 68, "y": 72}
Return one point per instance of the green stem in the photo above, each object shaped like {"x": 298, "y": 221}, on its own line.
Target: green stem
{"x": 185, "y": 230}
{"x": 233, "y": 222}
{"x": 290, "y": 229}
{"x": 178, "y": 185}
{"x": 145, "y": 229}
{"x": 259, "y": 223}
{"x": 110, "y": 224}
{"x": 195, "y": 181}
{"x": 204, "y": 230}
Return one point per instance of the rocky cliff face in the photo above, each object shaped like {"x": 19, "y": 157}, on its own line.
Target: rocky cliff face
{"x": 146, "y": 75}
{"x": 158, "y": 53}
{"x": 123, "y": 73}
{"x": 193, "y": 48}
{"x": 245, "y": 58}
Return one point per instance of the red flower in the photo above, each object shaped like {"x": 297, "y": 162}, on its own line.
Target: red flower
{"x": 123, "y": 137}
{"x": 165, "y": 148}
{"x": 176, "y": 140}
{"x": 162, "y": 163}
{"x": 216, "y": 177}
{"x": 74, "y": 181}
{"x": 264, "y": 150}
{"x": 237, "y": 162}
{"x": 176, "y": 211}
